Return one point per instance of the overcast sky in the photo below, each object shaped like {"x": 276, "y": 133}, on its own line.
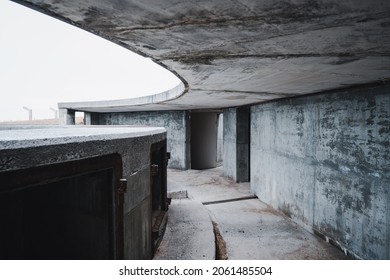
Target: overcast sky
{"x": 44, "y": 61}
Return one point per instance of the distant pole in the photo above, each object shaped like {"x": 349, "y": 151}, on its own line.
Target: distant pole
{"x": 55, "y": 112}
{"x": 29, "y": 112}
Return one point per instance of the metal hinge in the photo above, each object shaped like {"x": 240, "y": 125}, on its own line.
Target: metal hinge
{"x": 154, "y": 169}
{"x": 122, "y": 188}
{"x": 167, "y": 157}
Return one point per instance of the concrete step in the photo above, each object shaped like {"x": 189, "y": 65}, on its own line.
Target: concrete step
{"x": 189, "y": 234}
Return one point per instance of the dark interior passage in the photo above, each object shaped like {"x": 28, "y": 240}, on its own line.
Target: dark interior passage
{"x": 204, "y": 130}
{"x": 158, "y": 188}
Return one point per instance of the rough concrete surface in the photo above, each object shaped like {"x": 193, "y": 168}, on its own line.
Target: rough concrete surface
{"x": 323, "y": 161}
{"x": 23, "y": 136}
{"x": 176, "y": 124}
{"x": 206, "y": 185}
{"x": 250, "y": 228}
{"x": 253, "y": 230}
{"x": 232, "y": 53}
{"x": 189, "y": 234}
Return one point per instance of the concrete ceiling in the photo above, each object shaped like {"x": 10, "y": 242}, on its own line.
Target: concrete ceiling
{"x": 235, "y": 52}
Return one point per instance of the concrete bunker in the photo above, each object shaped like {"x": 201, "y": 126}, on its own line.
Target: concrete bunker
{"x": 341, "y": 176}
{"x": 84, "y": 193}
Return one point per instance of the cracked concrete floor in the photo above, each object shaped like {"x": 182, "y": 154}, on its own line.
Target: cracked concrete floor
{"x": 250, "y": 228}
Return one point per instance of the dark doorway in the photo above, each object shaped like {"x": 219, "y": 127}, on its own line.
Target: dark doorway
{"x": 204, "y": 130}
{"x": 62, "y": 211}
{"x": 158, "y": 188}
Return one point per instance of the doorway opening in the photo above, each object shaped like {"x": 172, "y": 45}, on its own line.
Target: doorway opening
{"x": 158, "y": 188}
{"x": 62, "y": 211}
{"x": 204, "y": 135}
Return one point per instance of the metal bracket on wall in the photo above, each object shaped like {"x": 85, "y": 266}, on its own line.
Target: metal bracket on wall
{"x": 122, "y": 188}
{"x": 167, "y": 157}
{"x": 154, "y": 169}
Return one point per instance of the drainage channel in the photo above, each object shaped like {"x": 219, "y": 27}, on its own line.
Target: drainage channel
{"x": 229, "y": 200}
{"x": 220, "y": 244}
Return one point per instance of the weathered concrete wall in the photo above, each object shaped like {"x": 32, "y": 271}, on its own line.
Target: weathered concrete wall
{"x": 176, "y": 124}
{"x": 325, "y": 162}
{"x": 236, "y": 143}
{"x": 44, "y": 146}
{"x": 232, "y": 53}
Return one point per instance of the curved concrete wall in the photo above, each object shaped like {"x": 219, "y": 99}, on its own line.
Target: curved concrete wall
{"x": 325, "y": 162}
{"x": 28, "y": 147}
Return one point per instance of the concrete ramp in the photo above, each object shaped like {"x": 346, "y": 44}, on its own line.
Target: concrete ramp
{"x": 189, "y": 234}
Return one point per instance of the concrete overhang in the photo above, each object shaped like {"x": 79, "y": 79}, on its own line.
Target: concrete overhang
{"x": 233, "y": 53}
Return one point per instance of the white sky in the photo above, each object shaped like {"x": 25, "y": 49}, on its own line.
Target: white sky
{"x": 44, "y": 61}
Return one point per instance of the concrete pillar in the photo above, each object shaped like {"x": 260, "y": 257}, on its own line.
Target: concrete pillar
{"x": 204, "y": 140}
{"x": 67, "y": 117}
{"x": 87, "y": 118}
{"x": 236, "y": 131}
{"x": 220, "y": 139}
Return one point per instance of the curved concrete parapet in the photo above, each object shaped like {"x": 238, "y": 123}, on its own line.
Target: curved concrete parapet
{"x": 125, "y": 104}
{"x": 23, "y": 136}
{"x": 78, "y": 192}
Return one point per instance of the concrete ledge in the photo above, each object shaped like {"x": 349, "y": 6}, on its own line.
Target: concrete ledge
{"x": 189, "y": 234}
{"x": 72, "y": 173}
{"x": 17, "y": 137}
{"x": 126, "y": 105}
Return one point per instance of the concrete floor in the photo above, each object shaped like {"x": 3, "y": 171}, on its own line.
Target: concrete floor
{"x": 250, "y": 228}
